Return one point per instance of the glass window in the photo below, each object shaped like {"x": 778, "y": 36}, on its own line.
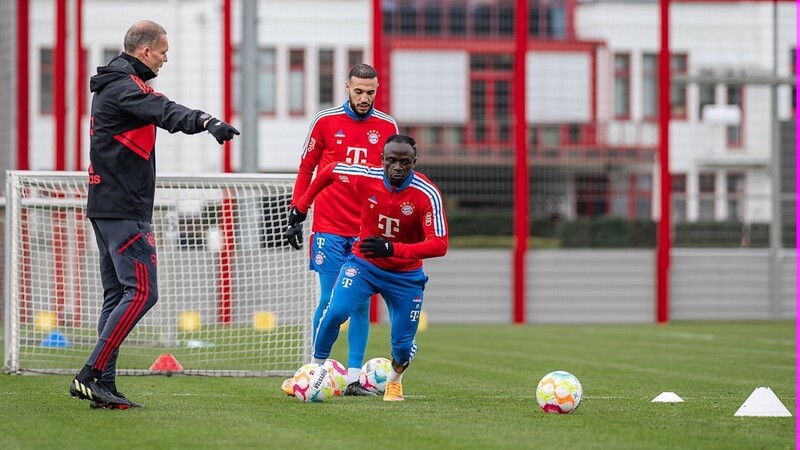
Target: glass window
{"x": 678, "y": 198}
{"x": 735, "y": 191}
{"x": 707, "y": 188}
{"x": 649, "y": 86}
{"x": 266, "y": 80}
{"x": 734, "y": 132}
{"x": 325, "y": 78}
{"x": 678, "y": 66}
{"x": 707, "y": 97}
{"x": 622, "y": 86}
{"x": 296, "y": 81}
{"x": 109, "y": 54}
{"x": 354, "y": 57}
{"x": 46, "y": 81}
{"x": 457, "y": 20}
{"x": 432, "y": 19}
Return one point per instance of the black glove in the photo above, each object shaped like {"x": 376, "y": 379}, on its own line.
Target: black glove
{"x": 294, "y": 232}
{"x": 376, "y": 247}
{"x": 221, "y": 130}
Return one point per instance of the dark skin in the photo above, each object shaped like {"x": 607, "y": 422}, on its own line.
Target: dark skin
{"x": 399, "y": 160}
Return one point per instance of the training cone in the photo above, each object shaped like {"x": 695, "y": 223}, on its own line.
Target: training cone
{"x": 762, "y": 403}
{"x": 264, "y": 321}
{"x": 423, "y": 321}
{"x": 44, "y": 321}
{"x": 166, "y": 363}
{"x": 189, "y": 321}
{"x": 56, "y": 339}
{"x": 667, "y": 397}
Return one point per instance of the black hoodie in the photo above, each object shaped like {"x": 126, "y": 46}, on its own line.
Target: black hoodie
{"x": 125, "y": 114}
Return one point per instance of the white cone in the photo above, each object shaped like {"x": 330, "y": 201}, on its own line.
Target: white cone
{"x": 763, "y": 403}
{"x": 667, "y": 397}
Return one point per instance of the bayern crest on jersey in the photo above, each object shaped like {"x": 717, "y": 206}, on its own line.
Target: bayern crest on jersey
{"x": 373, "y": 136}
{"x": 407, "y": 209}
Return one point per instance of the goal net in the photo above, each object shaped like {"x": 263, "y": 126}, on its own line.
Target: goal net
{"x": 235, "y": 299}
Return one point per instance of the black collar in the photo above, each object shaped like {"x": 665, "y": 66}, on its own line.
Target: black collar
{"x": 142, "y": 71}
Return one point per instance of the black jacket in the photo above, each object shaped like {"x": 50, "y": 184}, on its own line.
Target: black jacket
{"x": 125, "y": 114}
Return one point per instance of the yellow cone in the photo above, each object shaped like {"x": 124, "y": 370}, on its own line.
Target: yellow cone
{"x": 44, "y": 320}
{"x": 264, "y": 321}
{"x": 189, "y": 321}
{"x": 423, "y": 321}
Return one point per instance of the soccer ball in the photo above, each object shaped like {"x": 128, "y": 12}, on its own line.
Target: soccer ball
{"x": 374, "y": 373}
{"x": 559, "y": 392}
{"x": 338, "y": 374}
{"x": 312, "y": 383}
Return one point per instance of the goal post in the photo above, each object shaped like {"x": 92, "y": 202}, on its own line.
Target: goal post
{"x": 234, "y": 298}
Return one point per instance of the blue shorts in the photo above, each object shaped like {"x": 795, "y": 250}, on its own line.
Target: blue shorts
{"x": 327, "y": 252}
{"x": 357, "y": 282}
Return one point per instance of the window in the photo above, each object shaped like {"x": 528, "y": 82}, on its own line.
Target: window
{"x": 591, "y": 195}
{"x": 735, "y": 191}
{"x": 325, "y": 79}
{"x": 677, "y": 98}
{"x": 432, "y": 19}
{"x": 733, "y": 133}
{"x": 707, "y": 97}
{"x": 678, "y": 66}
{"x": 408, "y": 19}
{"x": 109, "y": 54}
{"x": 296, "y": 81}
{"x": 641, "y": 192}
{"x": 457, "y": 20}
{"x": 707, "y": 188}
{"x": 46, "y": 81}
{"x": 355, "y": 57}
{"x": 491, "y": 100}
{"x": 622, "y": 86}
{"x": 649, "y": 86}
{"x": 265, "y": 81}
{"x": 678, "y": 198}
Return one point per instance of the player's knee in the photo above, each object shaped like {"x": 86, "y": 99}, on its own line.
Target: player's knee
{"x": 403, "y": 351}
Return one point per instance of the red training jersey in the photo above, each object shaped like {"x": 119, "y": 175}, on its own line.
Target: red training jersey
{"x": 340, "y": 135}
{"x": 411, "y": 216}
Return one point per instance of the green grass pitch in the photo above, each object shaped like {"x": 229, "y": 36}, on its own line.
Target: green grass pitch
{"x": 469, "y": 387}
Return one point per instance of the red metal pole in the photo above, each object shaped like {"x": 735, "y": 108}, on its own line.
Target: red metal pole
{"x": 227, "y": 77}
{"x": 381, "y": 102}
{"x": 59, "y": 86}
{"x": 520, "y": 161}
{"x": 80, "y": 85}
{"x": 664, "y": 238}
{"x": 23, "y": 74}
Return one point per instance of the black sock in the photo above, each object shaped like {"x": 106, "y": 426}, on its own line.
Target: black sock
{"x": 88, "y": 374}
{"x": 111, "y": 385}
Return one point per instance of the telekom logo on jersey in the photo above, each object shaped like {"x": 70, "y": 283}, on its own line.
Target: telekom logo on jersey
{"x": 388, "y": 224}
{"x": 356, "y": 155}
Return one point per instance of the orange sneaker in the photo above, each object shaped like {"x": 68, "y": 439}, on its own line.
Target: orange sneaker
{"x": 394, "y": 392}
{"x": 288, "y": 386}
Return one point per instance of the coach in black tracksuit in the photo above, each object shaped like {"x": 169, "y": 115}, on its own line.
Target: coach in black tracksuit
{"x": 125, "y": 114}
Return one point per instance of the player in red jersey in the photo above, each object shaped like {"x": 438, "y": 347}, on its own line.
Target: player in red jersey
{"x": 353, "y": 133}
{"x": 402, "y": 223}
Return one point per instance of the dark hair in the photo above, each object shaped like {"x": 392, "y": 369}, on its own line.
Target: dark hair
{"x": 403, "y": 139}
{"x": 142, "y": 34}
{"x": 363, "y": 71}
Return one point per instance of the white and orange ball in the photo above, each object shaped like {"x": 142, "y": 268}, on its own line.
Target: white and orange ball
{"x": 338, "y": 374}
{"x": 374, "y": 374}
{"x": 559, "y": 392}
{"x": 312, "y": 383}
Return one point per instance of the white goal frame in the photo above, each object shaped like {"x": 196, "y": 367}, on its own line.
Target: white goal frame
{"x": 234, "y": 298}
